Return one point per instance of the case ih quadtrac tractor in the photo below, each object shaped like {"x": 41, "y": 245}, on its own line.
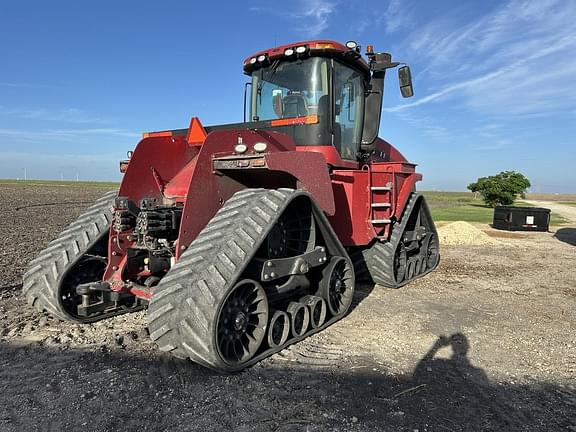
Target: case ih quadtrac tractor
{"x": 241, "y": 239}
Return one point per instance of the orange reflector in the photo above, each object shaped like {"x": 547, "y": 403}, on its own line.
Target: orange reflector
{"x": 157, "y": 134}
{"x": 310, "y": 119}
{"x": 196, "y": 132}
{"x": 258, "y": 163}
{"x": 324, "y": 46}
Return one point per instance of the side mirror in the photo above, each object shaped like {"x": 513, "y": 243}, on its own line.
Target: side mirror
{"x": 405, "y": 78}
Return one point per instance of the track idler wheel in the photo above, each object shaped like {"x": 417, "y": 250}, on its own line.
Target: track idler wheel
{"x": 278, "y": 329}
{"x": 317, "y": 307}
{"x": 299, "y": 318}
{"x": 337, "y": 285}
{"x": 242, "y": 322}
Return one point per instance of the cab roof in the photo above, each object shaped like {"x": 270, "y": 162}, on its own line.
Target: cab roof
{"x": 304, "y": 49}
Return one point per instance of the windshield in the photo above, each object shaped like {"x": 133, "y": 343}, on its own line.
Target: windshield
{"x": 290, "y": 89}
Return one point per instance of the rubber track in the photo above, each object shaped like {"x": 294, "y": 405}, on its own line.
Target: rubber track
{"x": 183, "y": 311}
{"x": 375, "y": 263}
{"x": 42, "y": 280}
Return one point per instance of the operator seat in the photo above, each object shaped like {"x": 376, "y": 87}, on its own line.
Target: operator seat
{"x": 294, "y": 105}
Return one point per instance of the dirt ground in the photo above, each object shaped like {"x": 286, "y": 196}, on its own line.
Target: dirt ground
{"x": 487, "y": 342}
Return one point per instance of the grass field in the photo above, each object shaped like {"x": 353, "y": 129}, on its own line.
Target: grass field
{"x": 462, "y": 206}
{"x": 564, "y": 198}
{"x": 445, "y": 206}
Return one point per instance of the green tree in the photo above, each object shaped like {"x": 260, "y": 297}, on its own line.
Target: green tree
{"x": 500, "y": 189}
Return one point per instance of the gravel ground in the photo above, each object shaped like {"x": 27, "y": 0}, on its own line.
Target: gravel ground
{"x": 487, "y": 342}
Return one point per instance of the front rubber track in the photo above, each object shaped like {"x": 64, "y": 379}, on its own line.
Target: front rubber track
{"x": 183, "y": 311}
{"x": 45, "y": 273}
{"x": 375, "y": 263}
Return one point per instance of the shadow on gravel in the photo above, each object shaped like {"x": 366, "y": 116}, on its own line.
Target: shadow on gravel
{"x": 47, "y": 389}
{"x": 361, "y": 292}
{"x": 566, "y": 235}
{"x": 9, "y": 288}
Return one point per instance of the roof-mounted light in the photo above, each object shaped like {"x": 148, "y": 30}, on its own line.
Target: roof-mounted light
{"x": 351, "y": 45}
{"x": 288, "y": 52}
{"x": 261, "y": 58}
{"x": 322, "y": 45}
{"x": 253, "y": 60}
{"x": 301, "y": 49}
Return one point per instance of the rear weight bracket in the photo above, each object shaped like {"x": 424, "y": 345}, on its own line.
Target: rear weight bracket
{"x": 301, "y": 264}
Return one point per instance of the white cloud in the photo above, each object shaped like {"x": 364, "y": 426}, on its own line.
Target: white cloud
{"x": 515, "y": 60}
{"x": 396, "y": 16}
{"x": 70, "y": 115}
{"x": 11, "y": 84}
{"x": 310, "y": 16}
{"x": 314, "y": 15}
{"x": 61, "y": 135}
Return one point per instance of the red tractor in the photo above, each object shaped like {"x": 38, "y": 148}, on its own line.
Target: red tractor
{"x": 241, "y": 239}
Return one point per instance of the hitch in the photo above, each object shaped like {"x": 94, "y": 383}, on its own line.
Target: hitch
{"x": 98, "y": 297}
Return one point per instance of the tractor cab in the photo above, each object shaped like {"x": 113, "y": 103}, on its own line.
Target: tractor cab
{"x": 321, "y": 93}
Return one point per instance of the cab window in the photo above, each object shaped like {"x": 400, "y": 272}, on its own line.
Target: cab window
{"x": 348, "y": 109}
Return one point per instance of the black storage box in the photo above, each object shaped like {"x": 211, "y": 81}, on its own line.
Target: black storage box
{"x": 521, "y": 218}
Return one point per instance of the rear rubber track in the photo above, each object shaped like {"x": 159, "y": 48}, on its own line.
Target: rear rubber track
{"x": 375, "y": 263}
{"x": 45, "y": 273}
{"x": 184, "y": 309}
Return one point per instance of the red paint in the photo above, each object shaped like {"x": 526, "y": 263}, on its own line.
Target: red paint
{"x": 331, "y": 156}
{"x": 310, "y": 170}
{"x": 178, "y": 170}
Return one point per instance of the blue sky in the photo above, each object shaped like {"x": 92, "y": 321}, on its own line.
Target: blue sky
{"x": 495, "y": 81}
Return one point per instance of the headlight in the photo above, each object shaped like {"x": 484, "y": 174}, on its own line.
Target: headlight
{"x": 301, "y": 49}
{"x": 288, "y": 52}
{"x": 261, "y": 58}
{"x": 240, "y": 148}
{"x": 260, "y": 147}
{"x": 253, "y": 60}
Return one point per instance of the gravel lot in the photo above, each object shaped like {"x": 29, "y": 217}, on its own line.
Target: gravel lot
{"x": 487, "y": 342}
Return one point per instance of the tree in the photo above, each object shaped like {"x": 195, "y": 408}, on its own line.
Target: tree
{"x": 501, "y": 189}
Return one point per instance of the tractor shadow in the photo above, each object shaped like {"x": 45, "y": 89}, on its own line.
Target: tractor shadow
{"x": 43, "y": 388}
{"x": 566, "y": 235}
{"x": 362, "y": 290}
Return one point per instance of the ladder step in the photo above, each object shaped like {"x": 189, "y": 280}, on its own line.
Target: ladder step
{"x": 380, "y": 188}
{"x": 381, "y": 205}
{"x": 381, "y": 221}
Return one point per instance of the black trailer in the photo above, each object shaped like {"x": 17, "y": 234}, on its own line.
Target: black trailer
{"x": 521, "y": 218}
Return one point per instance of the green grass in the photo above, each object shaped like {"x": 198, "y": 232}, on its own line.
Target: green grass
{"x": 59, "y": 183}
{"x": 569, "y": 203}
{"x": 462, "y": 206}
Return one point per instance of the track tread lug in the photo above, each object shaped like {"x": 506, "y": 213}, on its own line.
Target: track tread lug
{"x": 40, "y": 281}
